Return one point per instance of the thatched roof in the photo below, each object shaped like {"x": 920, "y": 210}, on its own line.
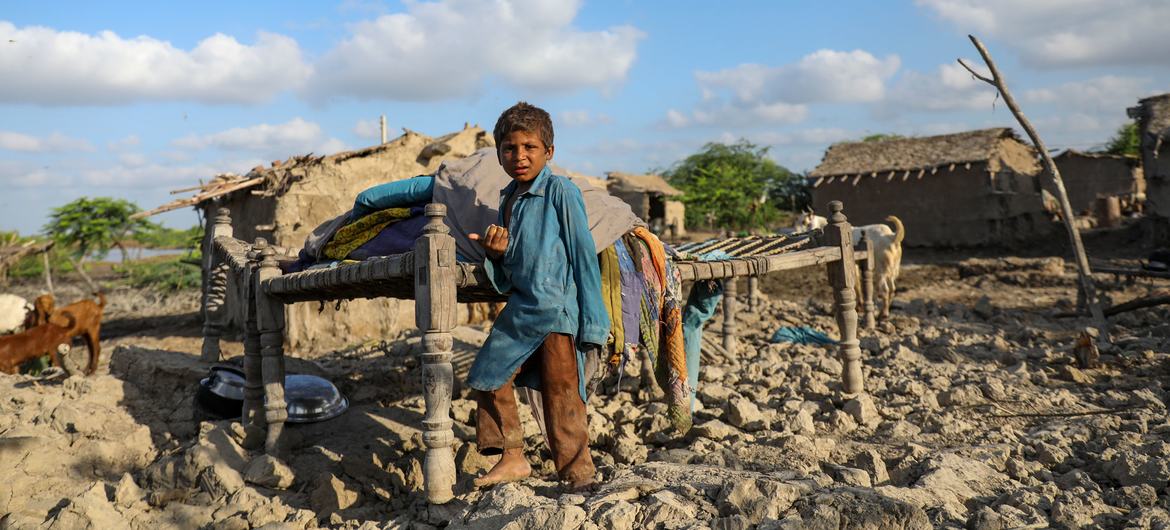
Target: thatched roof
{"x": 1153, "y": 114}
{"x": 640, "y": 183}
{"x": 1069, "y": 154}
{"x": 912, "y": 154}
{"x": 276, "y": 179}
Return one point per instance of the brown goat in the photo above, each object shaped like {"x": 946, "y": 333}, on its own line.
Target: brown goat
{"x": 17, "y": 348}
{"x": 88, "y": 322}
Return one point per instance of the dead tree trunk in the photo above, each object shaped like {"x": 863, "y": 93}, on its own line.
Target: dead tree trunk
{"x": 1085, "y": 274}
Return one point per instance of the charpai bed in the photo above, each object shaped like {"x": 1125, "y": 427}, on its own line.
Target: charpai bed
{"x": 432, "y": 276}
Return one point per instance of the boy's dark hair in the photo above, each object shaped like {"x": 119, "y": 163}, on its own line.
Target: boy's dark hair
{"x": 524, "y": 117}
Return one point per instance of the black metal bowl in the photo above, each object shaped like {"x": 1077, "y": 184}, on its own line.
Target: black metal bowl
{"x": 310, "y": 398}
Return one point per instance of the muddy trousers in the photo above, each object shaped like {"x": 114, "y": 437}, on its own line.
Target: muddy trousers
{"x": 498, "y": 420}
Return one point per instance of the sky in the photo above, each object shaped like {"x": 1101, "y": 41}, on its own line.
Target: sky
{"x": 135, "y": 99}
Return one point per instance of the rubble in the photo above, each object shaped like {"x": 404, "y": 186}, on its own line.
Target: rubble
{"x": 976, "y": 415}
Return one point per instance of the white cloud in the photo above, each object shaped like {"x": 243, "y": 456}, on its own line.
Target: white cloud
{"x": 1067, "y": 33}
{"x": 368, "y": 129}
{"x": 950, "y": 87}
{"x": 449, "y": 48}
{"x": 754, "y": 94}
{"x": 143, "y": 174}
{"x": 45, "y": 66}
{"x": 824, "y": 76}
{"x": 1110, "y": 92}
{"x": 271, "y": 142}
{"x": 20, "y": 174}
{"x": 55, "y": 142}
{"x": 582, "y": 118}
{"x": 124, "y": 143}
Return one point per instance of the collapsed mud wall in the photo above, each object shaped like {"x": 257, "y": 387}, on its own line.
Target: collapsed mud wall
{"x": 297, "y": 198}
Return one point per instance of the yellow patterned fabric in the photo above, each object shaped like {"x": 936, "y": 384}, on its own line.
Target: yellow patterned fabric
{"x": 671, "y": 361}
{"x": 611, "y": 293}
{"x": 357, "y": 233}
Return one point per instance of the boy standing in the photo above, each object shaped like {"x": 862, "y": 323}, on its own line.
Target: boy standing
{"x": 544, "y": 256}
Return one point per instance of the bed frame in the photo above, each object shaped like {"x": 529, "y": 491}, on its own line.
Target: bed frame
{"x": 432, "y": 277}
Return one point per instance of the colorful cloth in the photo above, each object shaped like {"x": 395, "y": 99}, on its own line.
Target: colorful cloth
{"x": 632, "y": 288}
{"x": 704, "y": 298}
{"x": 357, "y": 233}
{"x": 670, "y": 367}
{"x": 611, "y": 293}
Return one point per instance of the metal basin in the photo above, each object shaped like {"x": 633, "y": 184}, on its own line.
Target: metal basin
{"x": 310, "y": 398}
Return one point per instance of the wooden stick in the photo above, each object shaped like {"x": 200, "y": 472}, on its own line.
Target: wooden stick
{"x": 1087, "y": 290}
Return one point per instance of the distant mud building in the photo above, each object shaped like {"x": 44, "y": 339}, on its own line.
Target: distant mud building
{"x": 954, "y": 190}
{"x": 1091, "y": 177}
{"x": 650, "y": 197}
{"x": 1153, "y": 124}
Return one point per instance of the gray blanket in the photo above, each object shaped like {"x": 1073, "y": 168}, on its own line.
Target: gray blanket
{"x": 470, "y": 188}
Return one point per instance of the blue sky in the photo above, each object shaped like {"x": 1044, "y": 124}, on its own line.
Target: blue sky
{"x": 133, "y": 99}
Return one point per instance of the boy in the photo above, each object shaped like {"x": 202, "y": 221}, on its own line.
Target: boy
{"x": 542, "y": 253}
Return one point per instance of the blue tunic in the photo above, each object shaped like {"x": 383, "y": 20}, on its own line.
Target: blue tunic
{"x": 550, "y": 270}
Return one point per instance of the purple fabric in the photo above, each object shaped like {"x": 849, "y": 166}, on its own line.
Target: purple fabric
{"x": 398, "y": 238}
{"x": 632, "y": 287}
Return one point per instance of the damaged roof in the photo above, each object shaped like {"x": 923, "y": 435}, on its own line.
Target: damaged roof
{"x": 912, "y": 154}
{"x": 640, "y": 183}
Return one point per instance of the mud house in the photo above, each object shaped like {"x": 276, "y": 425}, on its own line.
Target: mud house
{"x": 964, "y": 189}
{"x": 1090, "y": 176}
{"x": 650, "y": 197}
{"x": 286, "y": 201}
{"x": 1153, "y": 123}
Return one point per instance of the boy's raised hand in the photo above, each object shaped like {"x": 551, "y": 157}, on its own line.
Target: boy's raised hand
{"x": 494, "y": 241}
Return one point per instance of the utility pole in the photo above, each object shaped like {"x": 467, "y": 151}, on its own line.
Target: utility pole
{"x": 383, "y": 122}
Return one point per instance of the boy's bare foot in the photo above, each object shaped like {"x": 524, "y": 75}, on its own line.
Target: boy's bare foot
{"x": 511, "y": 467}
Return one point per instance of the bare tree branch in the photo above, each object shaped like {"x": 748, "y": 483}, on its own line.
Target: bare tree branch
{"x": 1087, "y": 291}
{"x": 976, "y": 74}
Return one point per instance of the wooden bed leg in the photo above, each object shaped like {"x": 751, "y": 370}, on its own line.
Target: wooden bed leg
{"x": 270, "y": 321}
{"x": 251, "y": 416}
{"x": 866, "y": 266}
{"x": 215, "y": 310}
{"x": 434, "y": 313}
{"x": 753, "y": 293}
{"x": 730, "y": 308}
{"x": 842, "y": 278}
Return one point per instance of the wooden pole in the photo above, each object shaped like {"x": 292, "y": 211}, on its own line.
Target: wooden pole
{"x": 270, "y": 324}
{"x": 48, "y": 271}
{"x": 434, "y": 314}
{"x": 1085, "y": 275}
{"x": 843, "y": 278}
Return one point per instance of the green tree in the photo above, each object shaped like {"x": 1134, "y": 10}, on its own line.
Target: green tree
{"x": 733, "y": 185}
{"x": 1125, "y": 141}
{"x": 93, "y": 226}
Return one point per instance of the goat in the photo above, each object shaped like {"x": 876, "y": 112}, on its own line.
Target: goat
{"x": 13, "y": 313}
{"x": 88, "y": 322}
{"x": 887, "y": 250}
{"x": 17, "y": 348}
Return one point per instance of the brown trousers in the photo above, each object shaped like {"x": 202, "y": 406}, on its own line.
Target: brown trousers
{"x": 498, "y": 419}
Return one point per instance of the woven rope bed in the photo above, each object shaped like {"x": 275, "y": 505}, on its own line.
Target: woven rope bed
{"x": 431, "y": 276}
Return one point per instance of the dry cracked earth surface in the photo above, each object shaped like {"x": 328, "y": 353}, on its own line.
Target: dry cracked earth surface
{"x": 976, "y": 416}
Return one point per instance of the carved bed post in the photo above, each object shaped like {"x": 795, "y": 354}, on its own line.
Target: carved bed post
{"x": 866, "y": 266}
{"x": 753, "y": 293}
{"x": 252, "y": 414}
{"x": 842, "y": 278}
{"x": 215, "y": 312}
{"x": 270, "y": 321}
{"x": 730, "y": 308}
{"x": 434, "y": 313}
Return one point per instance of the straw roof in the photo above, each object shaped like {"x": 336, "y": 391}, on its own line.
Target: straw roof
{"x": 1153, "y": 112}
{"x": 912, "y": 154}
{"x": 641, "y": 183}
